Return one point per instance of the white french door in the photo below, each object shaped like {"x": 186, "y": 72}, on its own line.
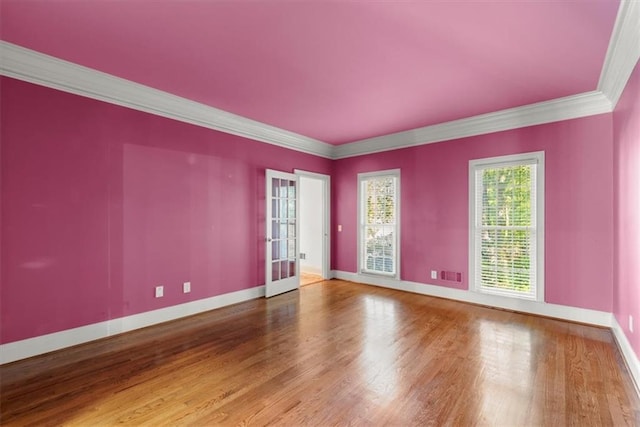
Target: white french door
{"x": 282, "y": 213}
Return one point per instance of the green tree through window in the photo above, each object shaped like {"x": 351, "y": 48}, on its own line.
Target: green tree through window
{"x": 379, "y": 222}
{"x": 506, "y": 228}
{"x": 506, "y": 248}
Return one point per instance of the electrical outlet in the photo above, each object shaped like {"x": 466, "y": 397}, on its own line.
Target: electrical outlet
{"x": 303, "y": 255}
{"x": 631, "y": 323}
{"x": 434, "y": 274}
{"x": 159, "y": 291}
{"x": 339, "y": 227}
{"x": 186, "y": 287}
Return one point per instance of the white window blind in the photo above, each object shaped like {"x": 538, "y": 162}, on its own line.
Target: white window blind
{"x": 506, "y": 224}
{"x": 379, "y": 222}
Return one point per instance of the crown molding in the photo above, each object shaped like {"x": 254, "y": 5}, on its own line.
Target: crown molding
{"x": 622, "y": 55}
{"x": 44, "y": 70}
{"x": 623, "y": 52}
{"x": 570, "y": 107}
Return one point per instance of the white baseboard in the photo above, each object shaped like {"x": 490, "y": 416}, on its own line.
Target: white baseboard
{"x": 17, "y": 350}
{"x": 23, "y": 349}
{"x": 630, "y": 357}
{"x": 574, "y": 314}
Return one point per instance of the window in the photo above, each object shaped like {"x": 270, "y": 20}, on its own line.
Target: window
{"x": 506, "y": 242}
{"x": 379, "y": 229}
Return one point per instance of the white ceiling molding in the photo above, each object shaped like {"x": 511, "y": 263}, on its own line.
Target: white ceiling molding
{"x": 623, "y": 53}
{"x": 34, "y": 67}
{"x": 571, "y": 107}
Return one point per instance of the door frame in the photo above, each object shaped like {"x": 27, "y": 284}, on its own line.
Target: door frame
{"x": 326, "y": 218}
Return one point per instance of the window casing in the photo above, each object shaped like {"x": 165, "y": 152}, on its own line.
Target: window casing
{"x": 379, "y": 223}
{"x": 506, "y": 225}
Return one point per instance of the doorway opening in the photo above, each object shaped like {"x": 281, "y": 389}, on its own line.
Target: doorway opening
{"x": 314, "y": 227}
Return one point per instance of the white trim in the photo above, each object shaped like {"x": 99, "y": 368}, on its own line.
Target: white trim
{"x": 326, "y": 218}
{"x": 629, "y": 356}
{"x": 623, "y": 52}
{"x": 396, "y": 173}
{"x": 573, "y": 314}
{"x": 35, "y": 67}
{"x": 570, "y": 107}
{"x": 536, "y": 158}
{"x": 17, "y": 350}
{"x": 622, "y": 55}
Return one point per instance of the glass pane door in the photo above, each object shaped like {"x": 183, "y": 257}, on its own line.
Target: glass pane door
{"x": 282, "y": 232}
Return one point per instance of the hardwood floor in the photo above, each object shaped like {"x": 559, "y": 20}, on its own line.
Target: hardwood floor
{"x": 309, "y": 278}
{"x": 332, "y": 353}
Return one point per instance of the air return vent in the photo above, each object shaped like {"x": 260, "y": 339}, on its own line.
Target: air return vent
{"x": 451, "y": 276}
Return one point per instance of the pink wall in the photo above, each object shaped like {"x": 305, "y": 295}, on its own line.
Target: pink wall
{"x": 101, "y": 203}
{"x": 434, "y": 233}
{"x": 626, "y": 140}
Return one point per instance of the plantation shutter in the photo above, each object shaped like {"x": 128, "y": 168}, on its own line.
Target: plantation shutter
{"x": 506, "y": 228}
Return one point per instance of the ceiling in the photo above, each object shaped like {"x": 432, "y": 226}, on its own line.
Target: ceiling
{"x": 334, "y": 71}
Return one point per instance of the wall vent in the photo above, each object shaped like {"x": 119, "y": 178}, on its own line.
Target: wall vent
{"x": 451, "y": 276}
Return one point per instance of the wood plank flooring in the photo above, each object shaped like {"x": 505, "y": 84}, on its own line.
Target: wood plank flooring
{"x": 309, "y": 278}
{"x": 332, "y": 353}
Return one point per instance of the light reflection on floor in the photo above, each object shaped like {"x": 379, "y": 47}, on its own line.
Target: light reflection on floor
{"x": 504, "y": 349}
{"x": 379, "y": 351}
